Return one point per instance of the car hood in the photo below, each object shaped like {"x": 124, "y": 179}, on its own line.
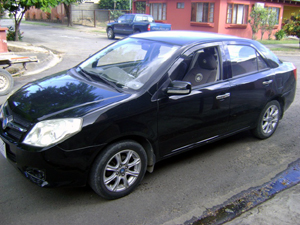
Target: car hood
{"x": 60, "y": 96}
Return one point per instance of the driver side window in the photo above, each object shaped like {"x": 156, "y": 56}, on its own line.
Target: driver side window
{"x": 204, "y": 67}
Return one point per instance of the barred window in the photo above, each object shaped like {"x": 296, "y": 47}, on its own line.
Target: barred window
{"x": 180, "y": 5}
{"x": 203, "y": 12}
{"x": 237, "y": 14}
{"x": 276, "y": 10}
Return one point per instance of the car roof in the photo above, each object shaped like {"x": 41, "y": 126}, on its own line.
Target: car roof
{"x": 136, "y": 14}
{"x": 185, "y": 37}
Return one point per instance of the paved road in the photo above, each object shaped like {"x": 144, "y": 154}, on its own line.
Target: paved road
{"x": 180, "y": 188}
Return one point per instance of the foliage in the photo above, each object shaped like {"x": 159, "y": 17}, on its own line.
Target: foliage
{"x": 292, "y": 26}
{"x": 115, "y": 14}
{"x": 114, "y": 4}
{"x": 264, "y": 21}
{"x": 272, "y": 21}
{"x": 11, "y": 33}
{"x": 255, "y": 19}
{"x": 279, "y": 35}
{"x": 17, "y": 9}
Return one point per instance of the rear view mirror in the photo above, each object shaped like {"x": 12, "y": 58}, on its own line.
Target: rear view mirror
{"x": 179, "y": 88}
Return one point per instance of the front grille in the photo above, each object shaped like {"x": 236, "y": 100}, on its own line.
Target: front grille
{"x": 16, "y": 135}
{"x": 13, "y": 125}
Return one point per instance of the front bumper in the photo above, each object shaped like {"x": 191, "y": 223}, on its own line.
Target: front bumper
{"x": 52, "y": 167}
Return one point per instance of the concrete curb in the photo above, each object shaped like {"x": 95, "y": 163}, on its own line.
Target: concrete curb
{"x": 47, "y": 59}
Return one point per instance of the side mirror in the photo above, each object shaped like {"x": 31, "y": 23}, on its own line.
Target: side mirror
{"x": 177, "y": 87}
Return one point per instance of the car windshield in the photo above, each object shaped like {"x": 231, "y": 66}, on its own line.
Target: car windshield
{"x": 129, "y": 63}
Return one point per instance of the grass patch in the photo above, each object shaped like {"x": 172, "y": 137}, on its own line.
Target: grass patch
{"x": 285, "y": 49}
{"x": 99, "y": 31}
{"x": 285, "y": 41}
{"x": 36, "y": 23}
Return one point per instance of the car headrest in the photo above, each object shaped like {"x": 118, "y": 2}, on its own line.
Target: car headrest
{"x": 207, "y": 61}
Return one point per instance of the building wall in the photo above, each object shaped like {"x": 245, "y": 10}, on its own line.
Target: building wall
{"x": 180, "y": 19}
{"x": 288, "y": 10}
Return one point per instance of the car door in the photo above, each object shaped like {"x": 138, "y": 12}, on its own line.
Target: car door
{"x": 128, "y": 26}
{"x": 119, "y": 26}
{"x": 185, "y": 121}
{"x": 251, "y": 85}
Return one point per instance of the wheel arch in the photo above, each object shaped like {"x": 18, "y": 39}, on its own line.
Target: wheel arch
{"x": 281, "y": 102}
{"x": 110, "y": 26}
{"x": 144, "y": 142}
{"x": 137, "y": 30}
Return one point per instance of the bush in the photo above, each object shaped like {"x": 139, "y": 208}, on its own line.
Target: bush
{"x": 10, "y": 36}
{"x": 115, "y": 14}
{"x": 279, "y": 35}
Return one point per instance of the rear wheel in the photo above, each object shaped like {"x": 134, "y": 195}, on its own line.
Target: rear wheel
{"x": 118, "y": 170}
{"x": 268, "y": 120}
{"x": 6, "y": 82}
{"x": 110, "y": 33}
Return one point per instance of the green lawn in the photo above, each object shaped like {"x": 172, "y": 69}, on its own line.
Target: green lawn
{"x": 285, "y": 49}
{"x": 284, "y": 41}
{"x": 36, "y": 23}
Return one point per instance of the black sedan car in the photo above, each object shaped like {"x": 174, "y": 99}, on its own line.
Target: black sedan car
{"x": 141, "y": 100}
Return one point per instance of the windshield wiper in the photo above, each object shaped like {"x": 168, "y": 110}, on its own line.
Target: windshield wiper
{"x": 84, "y": 73}
{"x": 89, "y": 74}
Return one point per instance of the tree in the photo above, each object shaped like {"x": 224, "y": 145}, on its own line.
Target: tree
{"x": 264, "y": 20}
{"x": 272, "y": 21}
{"x": 255, "y": 20}
{"x": 68, "y": 8}
{"x": 17, "y": 8}
{"x": 114, "y": 4}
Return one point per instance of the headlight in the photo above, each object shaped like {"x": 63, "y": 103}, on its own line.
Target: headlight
{"x": 49, "y": 132}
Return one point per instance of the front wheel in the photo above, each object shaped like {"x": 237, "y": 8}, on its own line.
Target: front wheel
{"x": 268, "y": 120}
{"x": 110, "y": 33}
{"x": 118, "y": 170}
{"x": 6, "y": 82}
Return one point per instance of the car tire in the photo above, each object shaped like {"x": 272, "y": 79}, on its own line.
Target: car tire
{"x": 110, "y": 33}
{"x": 268, "y": 120}
{"x": 6, "y": 82}
{"x": 118, "y": 170}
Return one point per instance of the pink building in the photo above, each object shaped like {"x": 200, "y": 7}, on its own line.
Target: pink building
{"x": 219, "y": 16}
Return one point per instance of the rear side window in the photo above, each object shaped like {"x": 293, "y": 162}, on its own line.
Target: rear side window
{"x": 244, "y": 60}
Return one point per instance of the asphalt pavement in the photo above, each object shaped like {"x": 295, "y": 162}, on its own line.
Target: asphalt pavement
{"x": 281, "y": 207}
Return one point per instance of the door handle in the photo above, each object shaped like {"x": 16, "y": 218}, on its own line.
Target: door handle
{"x": 220, "y": 97}
{"x": 267, "y": 82}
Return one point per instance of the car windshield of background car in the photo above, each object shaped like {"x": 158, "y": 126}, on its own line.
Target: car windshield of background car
{"x": 128, "y": 63}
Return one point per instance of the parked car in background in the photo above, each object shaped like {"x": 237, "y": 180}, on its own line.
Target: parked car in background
{"x": 134, "y": 23}
{"x": 141, "y": 100}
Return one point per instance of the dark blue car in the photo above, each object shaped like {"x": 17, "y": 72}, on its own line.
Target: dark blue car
{"x": 141, "y": 100}
{"x": 134, "y": 23}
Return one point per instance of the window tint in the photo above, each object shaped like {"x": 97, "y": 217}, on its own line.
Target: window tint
{"x": 245, "y": 59}
{"x": 271, "y": 58}
{"x": 261, "y": 63}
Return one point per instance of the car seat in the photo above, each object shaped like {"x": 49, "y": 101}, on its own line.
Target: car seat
{"x": 204, "y": 71}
